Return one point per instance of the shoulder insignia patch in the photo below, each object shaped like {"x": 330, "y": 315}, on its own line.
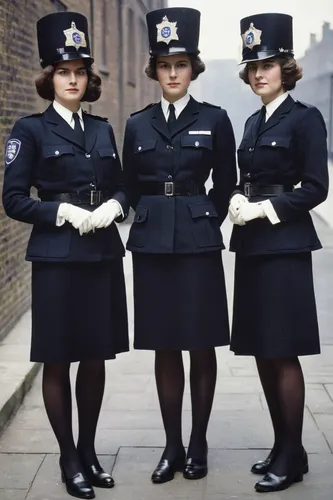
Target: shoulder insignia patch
{"x": 211, "y": 105}
{"x": 144, "y": 109}
{"x": 12, "y": 150}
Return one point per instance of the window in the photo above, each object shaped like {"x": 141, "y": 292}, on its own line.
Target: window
{"x": 59, "y": 6}
{"x": 104, "y": 37}
{"x": 131, "y": 53}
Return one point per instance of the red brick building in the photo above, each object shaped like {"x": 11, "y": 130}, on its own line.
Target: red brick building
{"x": 119, "y": 44}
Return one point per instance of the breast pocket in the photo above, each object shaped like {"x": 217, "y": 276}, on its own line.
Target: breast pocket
{"x": 274, "y": 152}
{"x": 58, "y": 162}
{"x": 197, "y": 142}
{"x": 106, "y": 161}
{"x": 205, "y": 225}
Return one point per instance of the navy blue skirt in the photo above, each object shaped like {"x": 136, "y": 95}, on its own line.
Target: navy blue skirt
{"x": 274, "y": 311}
{"x": 180, "y": 301}
{"x": 78, "y": 311}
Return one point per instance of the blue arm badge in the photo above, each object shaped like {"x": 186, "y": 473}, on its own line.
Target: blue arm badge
{"x": 12, "y": 150}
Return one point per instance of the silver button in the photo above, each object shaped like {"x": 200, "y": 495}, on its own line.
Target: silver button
{"x": 207, "y": 213}
{"x": 56, "y": 153}
{"x": 170, "y": 177}
{"x": 197, "y": 143}
{"x": 114, "y": 155}
{"x": 251, "y": 150}
{"x": 273, "y": 143}
{"x": 87, "y": 155}
{"x": 139, "y": 148}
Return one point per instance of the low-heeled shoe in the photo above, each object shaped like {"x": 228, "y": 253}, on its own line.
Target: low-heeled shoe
{"x": 195, "y": 468}
{"x": 165, "y": 470}
{"x": 263, "y": 466}
{"x": 270, "y": 482}
{"x": 77, "y": 486}
{"x": 98, "y": 477}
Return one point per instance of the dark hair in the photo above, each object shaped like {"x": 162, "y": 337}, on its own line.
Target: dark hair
{"x": 291, "y": 72}
{"x": 45, "y": 87}
{"x": 198, "y": 66}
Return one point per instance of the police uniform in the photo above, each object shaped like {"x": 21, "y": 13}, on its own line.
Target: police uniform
{"x": 78, "y": 292}
{"x": 179, "y": 290}
{"x": 274, "y": 305}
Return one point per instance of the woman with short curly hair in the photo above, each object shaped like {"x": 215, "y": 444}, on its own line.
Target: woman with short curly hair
{"x": 274, "y": 315}
{"x": 78, "y": 290}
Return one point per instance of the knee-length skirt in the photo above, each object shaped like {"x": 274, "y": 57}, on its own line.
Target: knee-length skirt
{"x": 78, "y": 311}
{"x": 179, "y": 301}
{"x": 274, "y": 310}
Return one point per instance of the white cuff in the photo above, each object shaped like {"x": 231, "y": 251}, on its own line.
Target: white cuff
{"x": 61, "y": 214}
{"x": 270, "y": 212}
{"x": 112, "y": 201}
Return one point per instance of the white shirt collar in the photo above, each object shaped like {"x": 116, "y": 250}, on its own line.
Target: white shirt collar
{"x": 67, "y": 114}
{"x": 273, "y": 105}
{"x": 179, "y": 105}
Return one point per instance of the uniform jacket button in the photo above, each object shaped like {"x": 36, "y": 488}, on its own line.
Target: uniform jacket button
{"x": 207, "y": 213}
{"x": 251, "y": 150}
{"x": 170, "y": 177}
{"x": 273, "y": 143}
{"x": 87, "y": 155}
{"x": 197, "y": 144}
{"x": 139, "y": 148}
{"x": 56, "y": 153}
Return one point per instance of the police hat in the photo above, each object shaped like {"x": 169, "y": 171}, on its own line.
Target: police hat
{"x": 266, "y": 35}
{"x": 173, "y": 31}
{"x": 63, "y": 36}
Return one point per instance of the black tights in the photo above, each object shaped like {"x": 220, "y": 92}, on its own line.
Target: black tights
{"x": 169, "y": 373}
{"x": 283, "y": 384}
{"x": 90, "y": 383}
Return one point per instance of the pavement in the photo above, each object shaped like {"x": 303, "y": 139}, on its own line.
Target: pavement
{"x": 130, "y": 435}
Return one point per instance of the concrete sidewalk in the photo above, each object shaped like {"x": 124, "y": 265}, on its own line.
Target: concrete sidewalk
{"x": 131, "y": 438}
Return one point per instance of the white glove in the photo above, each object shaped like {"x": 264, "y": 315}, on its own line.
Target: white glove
{"x": 78, "y": 217}
{"x": 104, "y": 215}
{"x": 236, "y": 201}
{"x": 250, "y": 211}
{"x": 236, "y": 220}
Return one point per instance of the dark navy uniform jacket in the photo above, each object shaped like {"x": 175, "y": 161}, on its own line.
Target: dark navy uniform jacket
{"x": 43, "y": 152}
{"x": 289, "y": 149}
{"x": 202, "y": 142}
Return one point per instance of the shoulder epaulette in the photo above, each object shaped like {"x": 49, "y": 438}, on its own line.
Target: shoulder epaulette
{"x": 211, "y": 105}
{"x": 305, "y": 104}
{"x": 144, "y": 109}
{"x": 96, "y": 117}
{"x": 33, "y": 115}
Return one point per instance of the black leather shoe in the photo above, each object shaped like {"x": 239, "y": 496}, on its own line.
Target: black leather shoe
{"x": 77, "y": 486}
{"x": 271, "y": 482}
{"x": 98, "y": 477}
{"x": 165, "y": 470}
{"x": 263, "y": 466}
{"x": 196, "y": 468}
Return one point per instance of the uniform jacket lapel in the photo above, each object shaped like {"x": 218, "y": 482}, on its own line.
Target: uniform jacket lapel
{"x": 158, "y": 121}
{"x": 60, "y": 126}
{"x": 188, "y": 116}
{"x": 90, "y": 129}
{"x": 278, "y": 115}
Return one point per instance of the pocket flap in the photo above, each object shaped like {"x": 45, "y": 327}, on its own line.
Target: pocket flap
{"x": 141, "y": 214}
{"x": 143, "y": 146}
{"x": 197, "y": 141}
{"x": 202, "y": 210}
{"x": 275, "y": 142}
{"x": 56, "y": 151}
{"x": 106, "y": 152}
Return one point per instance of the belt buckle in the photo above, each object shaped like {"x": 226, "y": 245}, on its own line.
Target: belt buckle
{"x": 95, "y": 197}
{"x": 247, "y": 189}
{"x": 169, "y": 188}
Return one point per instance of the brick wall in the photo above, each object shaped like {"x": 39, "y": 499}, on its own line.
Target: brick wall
{"x": 18, "y": 67}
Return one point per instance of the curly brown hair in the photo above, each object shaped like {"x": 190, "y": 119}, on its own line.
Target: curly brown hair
{"x": 198, "y": 67}
{"x": 291, "y": 72}
{"x": 45, "y": 87}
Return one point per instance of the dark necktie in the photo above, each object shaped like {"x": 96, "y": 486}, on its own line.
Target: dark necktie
{"x": 261, "y": 120}
{"x": 172, "y": 117}
{"x": 79, "y": 133}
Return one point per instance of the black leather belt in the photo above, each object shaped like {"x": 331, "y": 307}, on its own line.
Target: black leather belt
{"x": 93, "y": 197}
{"x": 252, "y": 189}
{"x": 172, "y": 188}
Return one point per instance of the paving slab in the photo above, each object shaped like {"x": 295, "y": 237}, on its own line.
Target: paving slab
{"x": 16, "y": 470}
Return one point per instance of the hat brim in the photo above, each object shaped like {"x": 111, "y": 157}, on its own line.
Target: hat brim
{"x": 69, "y": 56}
{"x": 262, "y": 55}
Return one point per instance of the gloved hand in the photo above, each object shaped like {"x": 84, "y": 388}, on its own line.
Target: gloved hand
{"x": 104, "y": 215}
{"x": 235, "y": 220}
{"x": 236, "y": 201}
{"x": 250, "y": 211}
{"x": 78, "y": 217}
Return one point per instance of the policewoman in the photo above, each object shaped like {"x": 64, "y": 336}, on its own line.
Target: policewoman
{"x": 78, "y": 293}
{"x": 170, "y": 149}
{"x": 283, "y": 175}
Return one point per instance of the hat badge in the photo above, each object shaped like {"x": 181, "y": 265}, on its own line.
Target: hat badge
{"x": 74, "y": 37}
{"x": 251, "y": 37}
{"x": 166, "y": 31}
